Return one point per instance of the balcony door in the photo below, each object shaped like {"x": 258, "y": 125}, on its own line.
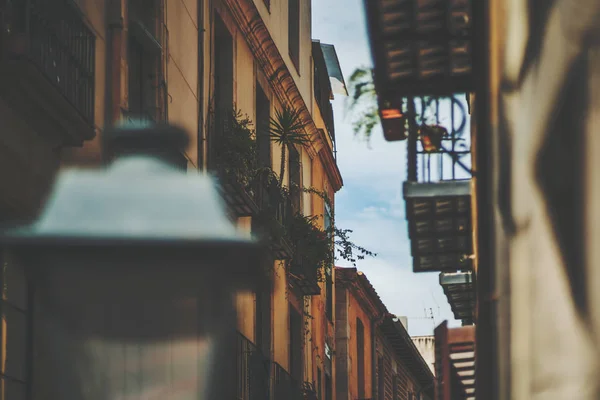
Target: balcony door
{"x": 147, "y": 84}
{"x": 222, "y": 102}
{"x": 296, "y": 345}
{"x": 263, "y": 123}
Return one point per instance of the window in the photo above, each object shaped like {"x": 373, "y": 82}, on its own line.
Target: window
{"x": 147, "y": 85}
{"x": 223, "y": 67}
{"x": 328, "y": 224}
{"x": 319, "y": 384}
{"x": 222, "y": 103}
{"x": 263, "y": 121}
{"x": 263, "y": 320}
{"x": 295, "y": 171}
{"x": 16, "y": 323}
{"x": 294, "y": 32}
{"x": 328, "y": 388}
{"x": 296, "y": 335}
{"x": 328, "y": 216}
{"x": 360, "y": 357}
{"x": 395, "y": 388}
{"x": 329, "y": 293}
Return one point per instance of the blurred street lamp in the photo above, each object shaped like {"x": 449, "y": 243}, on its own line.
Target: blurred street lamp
{"x": 133, "y": 270}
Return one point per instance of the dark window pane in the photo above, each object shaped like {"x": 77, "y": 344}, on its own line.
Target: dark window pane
{"x": 294, "y": 31}
{"x": 296, "y": 337}
{"x": 329, "y": 293}
{"x": 319, "y": 384}
{"x": 15, "y": 324}
{"x": 14, "y": 284}
{"x": 263, "y": 115}
{"x": 13, "y": 390}
{"x": 360, "y": 358}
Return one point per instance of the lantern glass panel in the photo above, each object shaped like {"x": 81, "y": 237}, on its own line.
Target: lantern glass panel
{"x": 132, "y": 328}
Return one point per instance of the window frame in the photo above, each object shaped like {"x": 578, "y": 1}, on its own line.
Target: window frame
{"x": 294, "y": 32}
{"x": 360, "y": 358}
{"x": 26, "y": 311}
{"x": 147, "y": 42}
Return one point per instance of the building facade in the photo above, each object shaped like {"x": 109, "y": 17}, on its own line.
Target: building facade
{"x": 76, "y": 67}
{"x": 375, "y": 356}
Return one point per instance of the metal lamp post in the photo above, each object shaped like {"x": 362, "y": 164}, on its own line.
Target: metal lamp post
{"x": 133, "y": 270}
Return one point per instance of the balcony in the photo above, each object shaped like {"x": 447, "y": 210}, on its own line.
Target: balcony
{"x": 274, "y": 218}
{"x": 258, "y": 378}
{"x": 420, "y": 47}
{"x": 47, "y": 70}
{"x": 232, "y": 159}
{"x": 253, "y": 371}
{"x": 305, "y": 277}
{"x": 438, "y": 188}
{"x": 458, "y": 288}
{"x": 283, "y": 386}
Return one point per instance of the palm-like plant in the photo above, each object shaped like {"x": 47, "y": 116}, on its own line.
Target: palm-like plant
{"x": 287, "y": 129}
{"x": 362, "y": 102}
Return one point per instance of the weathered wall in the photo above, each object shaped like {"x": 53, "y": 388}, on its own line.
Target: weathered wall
{"x": 182, "y": 70}
{"x": 426, "y": 346}
{"x": 544, "y": 109}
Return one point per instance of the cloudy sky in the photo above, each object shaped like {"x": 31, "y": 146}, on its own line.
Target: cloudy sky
{"x": 371, "y": 201}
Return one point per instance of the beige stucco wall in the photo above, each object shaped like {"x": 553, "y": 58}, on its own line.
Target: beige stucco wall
{"x": 182, "y": 71}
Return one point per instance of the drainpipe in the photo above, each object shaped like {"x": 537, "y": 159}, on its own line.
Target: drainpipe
{"x": 375, "y": 323}
{"x": 113, "y": 62}
{"x": 201, "y": 132}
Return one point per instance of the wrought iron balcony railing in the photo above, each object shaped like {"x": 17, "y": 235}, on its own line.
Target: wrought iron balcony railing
{"x": 275, "y": 215}
{"x": 53, "y": 36}
{"x": 259, "y": 378}
{"x": 438, "y": 139}
{"x": 438, "y": 189}
{"x": 253, "y": 371}
{"x": 284, "y": 387}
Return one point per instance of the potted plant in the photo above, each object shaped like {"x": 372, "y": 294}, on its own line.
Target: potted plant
{"x": 313, "y": 248}
{"x": 234, "y": 152}
{"x": 431, "y": 137}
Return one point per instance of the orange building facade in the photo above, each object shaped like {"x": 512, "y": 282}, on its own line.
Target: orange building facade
{"x": 375, "y": 356}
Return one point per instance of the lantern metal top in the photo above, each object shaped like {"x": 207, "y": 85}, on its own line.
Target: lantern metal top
{"x": 138, "y": 200}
